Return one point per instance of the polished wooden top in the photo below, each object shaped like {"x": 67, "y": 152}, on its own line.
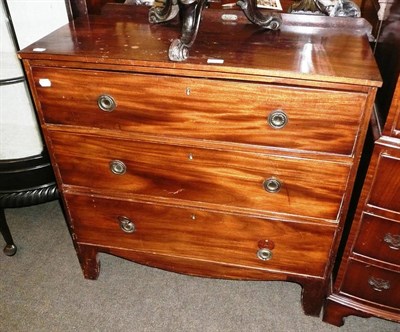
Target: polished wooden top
{"x": 306, "y": 47}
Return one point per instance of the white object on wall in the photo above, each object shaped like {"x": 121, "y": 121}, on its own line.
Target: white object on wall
{"x": 33, "y": 19}
{"x": 384, "y": 9}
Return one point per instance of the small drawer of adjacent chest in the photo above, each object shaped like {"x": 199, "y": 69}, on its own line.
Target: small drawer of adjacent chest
{"x": 379, "y": 238}
{"x": 219, "y": 110}
{"x": 200, "y": 234}
{"x": 250, "y": 181}
{"x": 372, "y": 283}
{"x": 385, "y": 190}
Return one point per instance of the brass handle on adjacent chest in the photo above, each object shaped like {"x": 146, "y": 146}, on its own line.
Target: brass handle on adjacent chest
{"x": 106, "y": 103}
{"x": 272, "y": 185}
{"x": 378, "y": 284}
{"x": 126, "y": 224}
{"x": 277, "y": 119}
{"x": 117, "y": 167}
{"x": 393, "y": 241}
{"x": 264, "y": 254}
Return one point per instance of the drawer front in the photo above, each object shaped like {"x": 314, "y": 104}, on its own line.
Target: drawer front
{"x": 379, "y": 238}
{"x": 317, "y": 120}
{"x": 385, "y": 191}
{"x": 372, "y": 283}
{"x": 235, "y": 179}
{"x": 200, "y": 234}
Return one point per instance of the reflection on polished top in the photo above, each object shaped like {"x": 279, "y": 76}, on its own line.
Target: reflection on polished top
{"x": 306, "y": 47}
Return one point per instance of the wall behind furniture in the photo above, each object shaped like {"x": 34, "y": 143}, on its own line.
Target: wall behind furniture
{"x": 32, "y": 19}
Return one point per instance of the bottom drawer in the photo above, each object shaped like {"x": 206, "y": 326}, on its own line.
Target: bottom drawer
{"x": 372, "y": 283}
{"x": 239, "y": 240}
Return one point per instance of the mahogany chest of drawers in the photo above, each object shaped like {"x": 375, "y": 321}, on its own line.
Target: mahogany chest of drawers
{"x": 368, "y": 282}
{"x": 368, "y": 279}
{"x": 238, "y": 169}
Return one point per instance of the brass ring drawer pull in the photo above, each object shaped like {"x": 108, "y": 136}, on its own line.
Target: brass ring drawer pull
{"x": 117, "y": 167}
{"x": 272, "y": 185}
{"x": 378, "y": 284}
{"x": 393, "y": 241}
{"x": 264, "y": 254}
{"x": 126, "y": 224}
{"x": 106, "y": 103}
{"x": 277, "y": 119}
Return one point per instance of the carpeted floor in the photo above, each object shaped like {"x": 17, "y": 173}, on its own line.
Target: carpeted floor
{"x": 42, "y": 289}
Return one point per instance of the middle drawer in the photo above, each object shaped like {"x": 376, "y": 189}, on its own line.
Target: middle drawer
{"x": 242, "y": 180}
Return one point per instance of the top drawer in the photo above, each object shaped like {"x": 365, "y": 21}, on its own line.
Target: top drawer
{"x": 231, "y": 111}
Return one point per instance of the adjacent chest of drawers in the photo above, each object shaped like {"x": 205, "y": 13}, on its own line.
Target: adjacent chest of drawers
{"x": 368, "y": 282}
{"x": 368, "y": 279}
{"x": 241, "y": 169}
